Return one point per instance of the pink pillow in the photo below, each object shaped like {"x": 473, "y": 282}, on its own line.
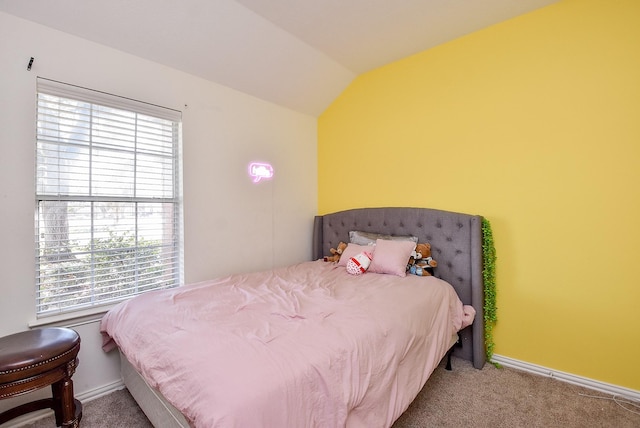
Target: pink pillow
{"x": 391, "y": 257}
{"x": 353, "y": 250}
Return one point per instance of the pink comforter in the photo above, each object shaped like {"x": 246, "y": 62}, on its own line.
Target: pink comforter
{"x": 304, "y": 346}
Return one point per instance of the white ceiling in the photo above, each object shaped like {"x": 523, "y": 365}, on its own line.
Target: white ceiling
{"x": 297, "y": 53}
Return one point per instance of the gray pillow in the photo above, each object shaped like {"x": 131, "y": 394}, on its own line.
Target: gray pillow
{"x": 369, "y": 238}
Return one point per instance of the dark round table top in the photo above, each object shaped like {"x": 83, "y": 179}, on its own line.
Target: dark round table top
{"x": 35, "y": 347}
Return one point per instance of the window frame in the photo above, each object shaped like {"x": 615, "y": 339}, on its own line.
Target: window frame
{"x": 175, "y": 263}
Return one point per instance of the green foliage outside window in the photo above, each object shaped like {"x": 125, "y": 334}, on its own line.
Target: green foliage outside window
{"x": 105, "y": 271}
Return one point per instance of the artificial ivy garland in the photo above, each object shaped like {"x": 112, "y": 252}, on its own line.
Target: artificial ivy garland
{"x": 489, "y": 277}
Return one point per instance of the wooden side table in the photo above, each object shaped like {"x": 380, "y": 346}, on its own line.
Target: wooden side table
{"x": 35, "y": 359}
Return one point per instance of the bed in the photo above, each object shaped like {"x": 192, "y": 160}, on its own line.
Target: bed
{"x": 308, "y": 344}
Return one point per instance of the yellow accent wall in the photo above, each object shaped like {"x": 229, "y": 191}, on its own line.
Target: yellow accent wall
{"x": 533, "y": 123}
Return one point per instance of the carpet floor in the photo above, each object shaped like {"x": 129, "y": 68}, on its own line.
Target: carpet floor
{"x": 464, "y": 397}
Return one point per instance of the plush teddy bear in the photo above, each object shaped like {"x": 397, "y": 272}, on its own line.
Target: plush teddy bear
{"x": 421, "y": 263}
{"x": 417, "y": 253}
{"x": 335, "y": 253}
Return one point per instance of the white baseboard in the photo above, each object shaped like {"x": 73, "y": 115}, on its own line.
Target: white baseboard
{"x": 84, "y": 398}
{"x": 98, "y": 392}
{"x": 567, "y": 377}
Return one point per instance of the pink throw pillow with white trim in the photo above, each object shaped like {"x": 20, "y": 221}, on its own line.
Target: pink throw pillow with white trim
{"x": 391, "y": 257}
{"x": 359, "y": 263}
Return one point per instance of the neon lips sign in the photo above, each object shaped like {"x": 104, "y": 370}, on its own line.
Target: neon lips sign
{"x": 260, "y": 171}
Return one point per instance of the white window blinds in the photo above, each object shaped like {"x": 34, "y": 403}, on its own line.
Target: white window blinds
{"x": 107, "y": 193}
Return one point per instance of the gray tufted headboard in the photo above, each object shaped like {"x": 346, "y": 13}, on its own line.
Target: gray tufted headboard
{"x": 456, "y": 244}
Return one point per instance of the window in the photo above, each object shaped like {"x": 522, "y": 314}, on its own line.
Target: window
{"x": 108, "y": 198}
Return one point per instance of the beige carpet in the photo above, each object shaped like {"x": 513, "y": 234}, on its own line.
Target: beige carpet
{"x": 464, "y": 397}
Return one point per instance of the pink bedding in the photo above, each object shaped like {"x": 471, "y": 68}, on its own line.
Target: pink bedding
{"x": 303, "y": 346}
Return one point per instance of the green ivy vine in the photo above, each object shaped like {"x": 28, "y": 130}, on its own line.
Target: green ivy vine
{"x": 489, "y": 277}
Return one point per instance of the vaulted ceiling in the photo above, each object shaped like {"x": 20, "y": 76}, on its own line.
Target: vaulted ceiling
{"x": 296, "y": 53}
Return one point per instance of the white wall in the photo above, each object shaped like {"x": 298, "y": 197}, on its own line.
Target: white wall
{"x": 230, "y": 223}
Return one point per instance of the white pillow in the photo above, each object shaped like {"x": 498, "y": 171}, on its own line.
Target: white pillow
{"x": 369, "y": 238}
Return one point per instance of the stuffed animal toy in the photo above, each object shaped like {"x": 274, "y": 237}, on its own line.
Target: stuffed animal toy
{"x": 421, "y": 263}
{"x": 417, "y": 253}
{"x": 358, "y": 264}
{"x": 335, "y": 253}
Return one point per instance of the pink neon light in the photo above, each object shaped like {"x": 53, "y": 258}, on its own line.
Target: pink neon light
{"x": 259, "y": 170}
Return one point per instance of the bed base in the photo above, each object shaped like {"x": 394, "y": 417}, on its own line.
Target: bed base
{"x": 157, "y": 409}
